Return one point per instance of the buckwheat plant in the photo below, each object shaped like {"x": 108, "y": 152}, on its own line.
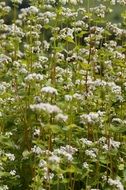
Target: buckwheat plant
{"x": 62, "y": 95}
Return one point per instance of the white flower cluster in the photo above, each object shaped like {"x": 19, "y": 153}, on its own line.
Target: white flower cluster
{"x": 74, "y": 2}
{"x": 122, "y": 2}
{"x": 54, "y": 159}
{"x": 4, "y": 187}
{"x": 46, "y": 45}
{"x": 68, "y": 13}
{"x": 116, "y": 183}
{"x": 17, "y": 1}
{"x": 2, "y": 88}
{"x": 109, "y": 143}
{"x": 10, "y": 156}
{"x": 66, "y": 32}
{"x": 4, "y": 8}
{"x": 92, "y": 117}
{"x": 99, "y": 10}
{"x": 36, "y": 132}
{"x": 30, "y": 10}
{"x": 116, "y": 30}
{"x": 114, "y": 144}
{"x": 36, "y": 150}
{"x": 68, "y": 97}
{"x": 43, "y": 59}
{"x": 61, "y": 117}
{"x": 116, "y": 89}
{"x": 46, "y": 107}
{"x": 5, "y": 59}
{"x": 47, "y": 16}
{"x": 117, "y": 120}
{"x": 15, "y": 30}
{"x": 75, "y": 96}
{"x": 49, "y": 90}
{"x": 48, "y": 176}
{"x": 33, "y": 77}
{"x": 42, "y": 163}
{"x": 86, "y": 141}
{"x": 13, "y": 172}
{"x": 66, "y": 151}
{"x": 44, "y": 166}
{"x": 85, "y": 165}
{"x": 91, "y": 153}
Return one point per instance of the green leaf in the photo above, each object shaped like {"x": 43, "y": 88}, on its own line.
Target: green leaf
{"x": 54, "y": 128}
{"x": 5, "y": 141}
{"x": 4, "y": 174}
{"x": 71, "y": 169}
{"x": 82, "y": 33}
{"x": 85, "y": 66}
{"x": 69, "y": 39}
{"x": 47, "y": 26}
{"x": 103, "y": 160}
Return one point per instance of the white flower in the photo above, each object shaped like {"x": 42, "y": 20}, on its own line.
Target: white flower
{"x": 90, "y": 118}
{"x": 102, "y": 140}
{"x": 61, "y": 117}
{"x": 113, "y": 2}
{"x": 66, "y": 151}
{"x": 105, "y": 147}
{"x": 74, "y": 2}
{"x": 8, "y": 134}
{"x": 23, "y": 70}
{"x": 36, "y": 132}
{"x": 43, "y": 59}
{"x": 34, "y": 77}
{"x": 118, "y": 120}
{"x": 68, "y": 156}
{"x": 122, "y": 2}
{"x": 33, "y": 10}
{"x": 90, "y": 153}
{"x": 45, "y": 107}
{"x": 49, "y": 89}
{"x": 54, "y": 159}
{"x": 42, "y": 163}
{"x": 46, "y": 45}
{"x": 4, "y": 187}
{"x": 15, "y": 30}
{"x": 64, "y": 2}
{"x": 68, "y": 98}
{"x": 48, "y": 176}
{"x": 2, "y": 88}
{"x": 36, "y": 150}
{"x": 117, "y": 183}
{"x": 66, "y": 32}
{"x": 10, "y": 156}
{"x": 17, "y": 1}
{"x": 86, "y": 141}
{"x": 85, "y": 165}
{"x": 99, "y": 82}
{"x": 13, "y": 172}
{"x": 78, "y": 96}
{"x": 114, "y": 144}
{"x": 69, "y": 149}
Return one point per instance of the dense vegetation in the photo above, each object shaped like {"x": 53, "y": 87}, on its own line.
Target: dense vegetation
{"x": 62, "y": 96}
